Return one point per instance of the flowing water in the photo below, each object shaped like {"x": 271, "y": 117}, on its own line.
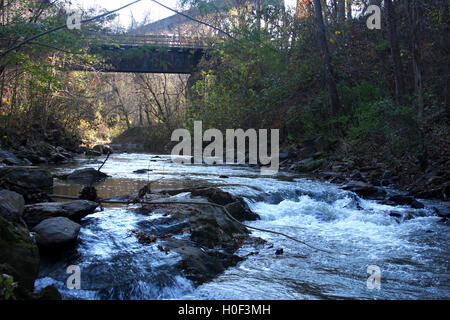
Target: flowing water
{"x": 413, "y": 255}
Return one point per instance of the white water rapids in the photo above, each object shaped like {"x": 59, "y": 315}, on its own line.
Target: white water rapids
{"x": 413, "y": 255}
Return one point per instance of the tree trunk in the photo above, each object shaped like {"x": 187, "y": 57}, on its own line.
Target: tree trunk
{"x": 395, "y": 50}
{"x": 341, "y": 10}
{"x": 258, "y": 15}
{"x": 141, "y": 122}
{"x": 349, "y": 9}
{"x": 445, "y": 48}
{"x": 414, "y": 15}
{"x": 329, "y": 74}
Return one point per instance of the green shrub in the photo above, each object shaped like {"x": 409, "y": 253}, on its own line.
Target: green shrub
{"x": 7, "y": 286}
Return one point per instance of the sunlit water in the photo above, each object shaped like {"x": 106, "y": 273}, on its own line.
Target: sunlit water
{"x": 413, "y": 255}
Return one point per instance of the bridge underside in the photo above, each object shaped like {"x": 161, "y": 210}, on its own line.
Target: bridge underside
{"x": 149, "y": 59}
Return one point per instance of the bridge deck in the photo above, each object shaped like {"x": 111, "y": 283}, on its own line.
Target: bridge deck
{"x": 155, "y": 40}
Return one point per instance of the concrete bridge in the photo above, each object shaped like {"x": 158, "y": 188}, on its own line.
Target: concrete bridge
{"x": 148, "y": 53}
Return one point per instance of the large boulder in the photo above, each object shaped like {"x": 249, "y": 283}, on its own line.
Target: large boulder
{"x": 365, "y": 190}
{"x": 27, "y": 178}
{"x": 48, "y": 293}
{"x": 86, "y": 175}
{"x": 240, "y": 211}
{"x": 19, "y": 255}
{"x": 236, "y": 206}
{"x": 208, "y": 237}
{"x": 406, "y": 200}
{"x": 198, "y": 264}
{"x": 75, "y": 210}
{"x": 57, "y": 157}
{"x": 55, "y": 233}
{"x": 11, "y": 206}
{"x": 214, "y": 195}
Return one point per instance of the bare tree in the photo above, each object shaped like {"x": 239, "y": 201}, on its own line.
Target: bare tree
{"x": 163, "y": 98}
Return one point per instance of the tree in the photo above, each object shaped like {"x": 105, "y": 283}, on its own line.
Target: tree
{"x": 163, "y": 98}
{"x": 414, "y": 18}
{"x": 395, "y": 50}
{"x": 329, "y": 74}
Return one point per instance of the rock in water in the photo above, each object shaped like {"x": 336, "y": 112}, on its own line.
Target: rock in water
{"x": 55, "y": 233}
{"x": 406, "y": 200}
{"x": 141, "y": 171}
{"x": 19, "y": 255}
{"x": 214, "y": 195}
{"x": 75, "y": 210}
{"x": 49, "y": 293}
{"x": 365, "y": 190}
{"x": 87, "y": 175}
{"x": 88, "y": 193}
{"x": 11, "y": 159}
{"x": 236, "y": 206}
{"x": 214, "y": 236}
{"x": 241, "y": 211}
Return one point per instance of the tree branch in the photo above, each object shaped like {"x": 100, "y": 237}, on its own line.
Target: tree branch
{"x": 62, "y": 27}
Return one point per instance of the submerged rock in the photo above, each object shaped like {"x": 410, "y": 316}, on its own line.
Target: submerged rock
{"x": 141, "y": 171}
{"x": 87, "y": 175}
{"x": 55, "y": 233}
{"x": 75, "y": 210}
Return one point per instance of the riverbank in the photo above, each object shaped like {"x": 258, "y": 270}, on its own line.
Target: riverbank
{"x": 328, "y": 162}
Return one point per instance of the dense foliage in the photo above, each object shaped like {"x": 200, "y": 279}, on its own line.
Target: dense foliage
{"x": 371, "y": 91}
{"x": 274, "y": 76}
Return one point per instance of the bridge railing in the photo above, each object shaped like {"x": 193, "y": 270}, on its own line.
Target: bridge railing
{"x": 157, "y": 40}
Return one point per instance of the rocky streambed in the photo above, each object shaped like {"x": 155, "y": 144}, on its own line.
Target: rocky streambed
{"x": 131, "y": 250}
